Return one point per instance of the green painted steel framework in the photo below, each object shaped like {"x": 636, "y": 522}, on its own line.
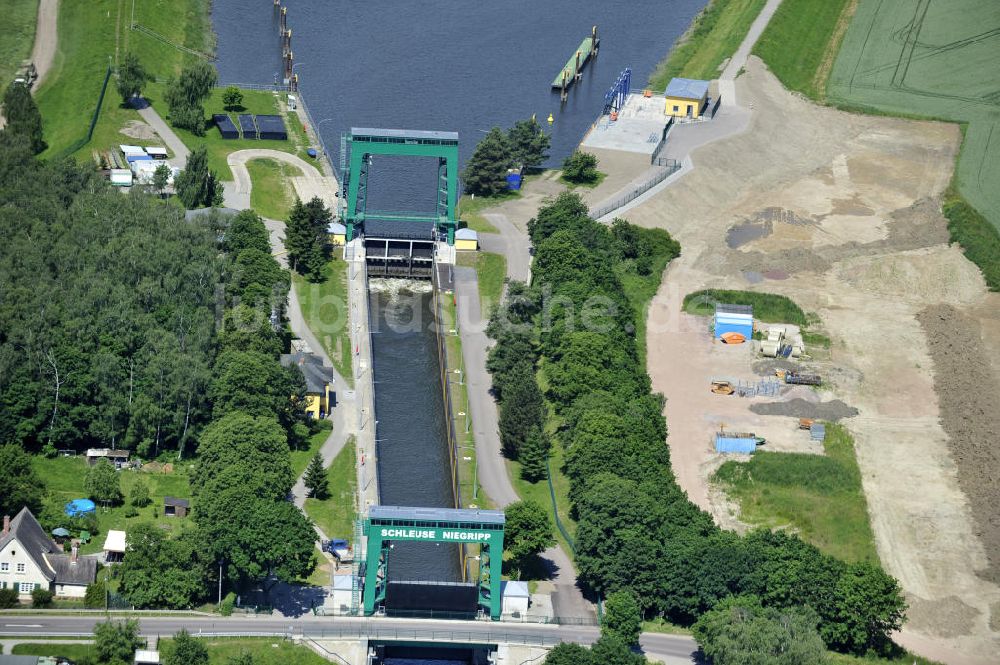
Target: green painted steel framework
{"x": 460, "y": 526}
{"x": 365, "y": 142}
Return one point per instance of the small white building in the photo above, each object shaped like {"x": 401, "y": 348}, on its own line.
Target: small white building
{"x": 30, "y": 560}
{"x": 342, "y": 593}
{"x": 147, "y": 657}
{"x": 114, "y": 546}
{"x": 117, "y": 457}
{"x": 515, "y": 598}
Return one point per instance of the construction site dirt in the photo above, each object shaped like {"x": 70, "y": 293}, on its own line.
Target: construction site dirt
{"x": 862, "y": 244}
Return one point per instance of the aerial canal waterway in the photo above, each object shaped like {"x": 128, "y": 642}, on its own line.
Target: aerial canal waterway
{"x": 447, "y": 65}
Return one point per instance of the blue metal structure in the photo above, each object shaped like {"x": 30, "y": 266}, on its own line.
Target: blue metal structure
{"x": 614, "y": 98}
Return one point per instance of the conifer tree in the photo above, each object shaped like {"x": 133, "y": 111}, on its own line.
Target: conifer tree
{"x": 533, "y": 455}
{"x": 22, "y": 116}
{"x": 486, "y": 172}
{"x": 315, "y": 480}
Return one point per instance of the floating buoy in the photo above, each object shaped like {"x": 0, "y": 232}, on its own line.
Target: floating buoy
{"x": 532, "y": 118}
{"x": 551, "y": 119}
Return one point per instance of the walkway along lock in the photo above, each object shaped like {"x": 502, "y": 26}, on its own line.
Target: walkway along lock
{"x": 438, "y": 525}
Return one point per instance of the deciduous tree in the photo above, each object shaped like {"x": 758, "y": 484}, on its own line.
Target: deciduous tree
{"x": 580, "y": 167}
{"x": 20, "y": 486}
{"x": 115, "y": 642}
{"x": 569, "y": 653}
{"x": 622, "y": 617}
{"x": 186, "y": 93}
{"x": 186, "y": 650}
{"x": 132, "y": 77}
{"x": 102, "y": 483}
{"x": 246, "y": 452}
{"x": 161, "y": 178}
{"x": 162, "y": 572}
{"x": 307, "y": 239}
{"x": 528, "y": 531}
{"x": 232, "y": 98}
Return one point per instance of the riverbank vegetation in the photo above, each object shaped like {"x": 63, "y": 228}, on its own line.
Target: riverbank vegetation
{"x": 636, "y": 530}
{"x": 979, "y": 239}
{"x": 801, "y": 42}
{"x": 818, "y": 497}
{"x": 714, "y": 36}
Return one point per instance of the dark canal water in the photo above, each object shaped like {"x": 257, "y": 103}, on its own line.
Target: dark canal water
{"x": 449, "y": 65}
{"x": 413, "y": 464}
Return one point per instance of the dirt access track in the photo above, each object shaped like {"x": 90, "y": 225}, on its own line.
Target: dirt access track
{"x": 861, "y": 242}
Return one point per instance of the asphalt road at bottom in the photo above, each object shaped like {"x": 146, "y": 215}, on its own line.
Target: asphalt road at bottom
{"x": 672, "y": 648}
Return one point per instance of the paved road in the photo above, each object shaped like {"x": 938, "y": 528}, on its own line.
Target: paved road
{"x": 46, "y": 41}
{"x": 311, "y": 183}
{"x": 160, "y": 126}
{"x": 671, "y": 648}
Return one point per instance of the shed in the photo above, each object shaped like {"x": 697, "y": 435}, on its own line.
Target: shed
{"x": 114, "y": 545}
{"x": 342, "y": 593}
{"x": 147, "y": 657}
{"x": 116, "y": 457}
{"x": 174, "y": 507}
{"x": 736, "y": 319}
{"x": 132, "y": 150}
{"x": 337, "y": 233}
{"x": 686, "y": 98}
{"x": 271, "y": 127}
{"x": 226, "y": 127}
{"x": 735, "y": 442}
{"x": 247, "y": 126}
{"x": 515, "y": 598}
{"x": 157, "y": 152}
{"x": 120, "y": 177}
{"x": 466, "y": 239}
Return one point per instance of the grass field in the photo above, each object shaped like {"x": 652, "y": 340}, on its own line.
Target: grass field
{"x": 336, "y": 514}
{"x": 800, "y": 42}
{"x": 17, "y": 35}
{"x": 300, "y": 458}
{"x": 266, "y": 651}
{"x": 492, "y": 270}
{"x": 272, "y": 194}
{"x": 712, "y": 38}
{"x": 818, "y": 496}
{"x": 470, "y": 210}
{"x": 91, "y": 36}
{"x": 934, "y": 59}
{"x": 324, "y": 306}
{"x": 64, "y": 478}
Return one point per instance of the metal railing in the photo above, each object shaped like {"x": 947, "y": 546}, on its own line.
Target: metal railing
{"x": 669, "y": 167}
{"x": 271, "y": 87}
{"x": 663, "y": 140}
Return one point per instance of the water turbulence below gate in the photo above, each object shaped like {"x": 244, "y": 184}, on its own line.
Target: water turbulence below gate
{"x": 413, "y": 462}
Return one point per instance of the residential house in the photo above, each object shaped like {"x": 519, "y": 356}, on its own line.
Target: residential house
{"x": 318, "y": 379}
{"x": 30, "y": 559}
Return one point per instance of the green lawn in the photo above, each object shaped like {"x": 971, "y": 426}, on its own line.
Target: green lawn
{"x": 491, "y": 270}
{"x": 300, "y": 458}
{"x": 818, "y": 496}
{"x": 800, "y": 43}
{"x": 767, "y": 307}
{"x": 91, "y": 35}
{"x": 64, "y": 478}
{"x": 336, "y": 514}
{"x": 713, "y": 37}
{"x": 324, "y": 306}
{"x": 539, "y": 491}
{"x": 17, "y": 35}
{"x": 601, "y": 175}
{"x": 272, "y": 194}
{"x": 266, "y": 651}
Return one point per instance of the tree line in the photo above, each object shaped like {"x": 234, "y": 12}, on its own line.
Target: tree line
{"x": 636, "y": 529}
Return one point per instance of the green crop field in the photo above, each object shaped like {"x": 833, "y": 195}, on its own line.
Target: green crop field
{"x": 931, "y": 58}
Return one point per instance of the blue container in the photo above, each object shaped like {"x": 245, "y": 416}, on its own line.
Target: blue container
{"x": 735, "y": 444}
{"x": 513, "y": 181}
{"x": 78, "y": 507}
{"x": 311, "y": 152}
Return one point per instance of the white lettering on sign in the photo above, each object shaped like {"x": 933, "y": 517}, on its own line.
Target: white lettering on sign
{"x": 432, "y": 534}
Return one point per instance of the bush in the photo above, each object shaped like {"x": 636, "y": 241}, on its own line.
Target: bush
{"x": 580, "y": 167}
{"x": 8, "y": 599}
{"x": 227, "y": 604}
{"x": 767, "y": 307}
{"x": 41, "y": 597}
{"x": 979, "y": 239}
{"x": 96, "y": 596}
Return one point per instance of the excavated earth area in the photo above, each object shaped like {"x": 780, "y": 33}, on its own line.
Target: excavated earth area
{"x": 854, "y": 234}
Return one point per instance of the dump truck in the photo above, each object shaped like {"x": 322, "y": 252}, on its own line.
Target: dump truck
{"x": 339, "y": 548}
{"x": 26, "y": 74}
